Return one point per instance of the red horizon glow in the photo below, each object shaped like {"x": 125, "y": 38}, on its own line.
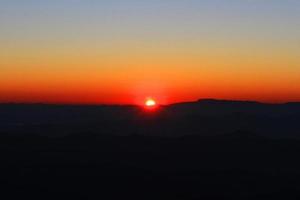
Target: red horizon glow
{"x": 88, "y": 98}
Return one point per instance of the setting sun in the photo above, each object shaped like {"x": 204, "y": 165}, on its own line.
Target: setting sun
{"x": 150, "y": 103}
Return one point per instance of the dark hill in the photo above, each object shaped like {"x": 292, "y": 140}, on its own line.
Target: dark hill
{"x": 204, "y": 117}
{"x": 209, "y": 149}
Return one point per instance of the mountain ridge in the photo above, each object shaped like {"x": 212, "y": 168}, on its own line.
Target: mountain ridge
{"x": 203, "y": 100}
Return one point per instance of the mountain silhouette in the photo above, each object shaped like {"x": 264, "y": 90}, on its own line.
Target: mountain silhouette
{"x": 207, "y": 149}
{"x": 203, "y": 117}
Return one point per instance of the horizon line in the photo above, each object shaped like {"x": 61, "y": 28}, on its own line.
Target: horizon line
{"x": 138, "y": 105}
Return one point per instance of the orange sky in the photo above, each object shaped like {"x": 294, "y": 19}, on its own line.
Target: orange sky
{"x": 89, "y": 53}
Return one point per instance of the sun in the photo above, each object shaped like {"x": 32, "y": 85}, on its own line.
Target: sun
{"x": 150, "y": 103}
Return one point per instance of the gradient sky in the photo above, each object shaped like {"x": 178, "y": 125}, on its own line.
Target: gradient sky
{"x": 123, "y": 51}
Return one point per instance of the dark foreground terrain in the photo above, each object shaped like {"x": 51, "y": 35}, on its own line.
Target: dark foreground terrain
{"x": 202, "y": 150}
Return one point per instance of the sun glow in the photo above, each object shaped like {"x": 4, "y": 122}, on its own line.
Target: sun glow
{"x": 150, "y": 103}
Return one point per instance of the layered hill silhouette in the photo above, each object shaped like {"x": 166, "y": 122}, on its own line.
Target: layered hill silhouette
{"x": 209, "y": 149}
{"x": 205, "y": 117}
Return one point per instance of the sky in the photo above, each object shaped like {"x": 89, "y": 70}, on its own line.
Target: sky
{"x": 125, "y": 51}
